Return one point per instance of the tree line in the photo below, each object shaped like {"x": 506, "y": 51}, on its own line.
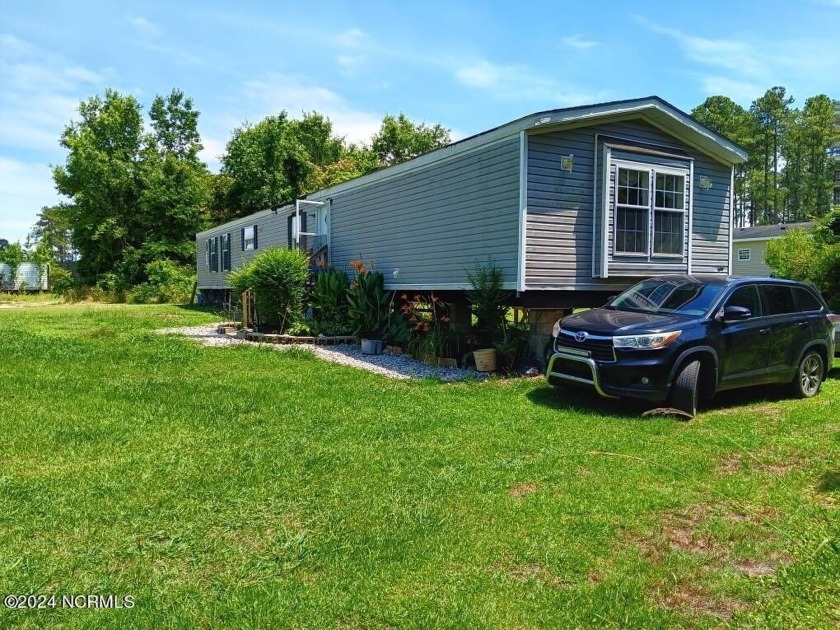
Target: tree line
{"x": 138, "y": 191}
{"x": 789, "y": 175}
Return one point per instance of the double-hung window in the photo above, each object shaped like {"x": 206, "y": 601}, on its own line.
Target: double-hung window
{"x": 668, "y": 214}
{"x": 225, "y": 251}
{"x": 213, "y": 253}
{"x": 249, "y": 238}
{"x": 649, "y": 212}
{"x": 632, "y": 211}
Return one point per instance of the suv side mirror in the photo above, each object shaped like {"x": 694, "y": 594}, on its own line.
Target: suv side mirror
{"x": 736, "y": 313}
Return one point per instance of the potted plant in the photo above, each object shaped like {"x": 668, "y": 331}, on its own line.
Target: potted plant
{"x": 368, "y": 305}
{"x": 489, "y": 302}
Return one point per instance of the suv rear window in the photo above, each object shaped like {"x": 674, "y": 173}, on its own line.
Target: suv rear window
{"x": 807, "y": 300}
{"x": 779, "y": 299}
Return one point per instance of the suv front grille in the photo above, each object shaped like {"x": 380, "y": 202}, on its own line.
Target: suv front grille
{"x": 599, "y": 348}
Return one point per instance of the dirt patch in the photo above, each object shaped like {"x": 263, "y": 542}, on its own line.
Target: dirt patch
{"x": 756, "y": 568}
{"x": 683, "y": 531}
{"x": 535, "y": 572}
{"x": 694, "y": 599}
{"x": 520, "y": 490}
{"x": 730, "y": 465}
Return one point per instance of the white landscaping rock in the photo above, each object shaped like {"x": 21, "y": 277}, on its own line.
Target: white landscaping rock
{"x": 390, "y": 365}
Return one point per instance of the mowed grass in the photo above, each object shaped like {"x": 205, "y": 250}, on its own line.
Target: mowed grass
{"x": 246, "y": 487}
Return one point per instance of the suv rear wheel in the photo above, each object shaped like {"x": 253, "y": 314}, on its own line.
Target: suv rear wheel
{"x": 809, "y": 375}
{"x": 685, "y": 391}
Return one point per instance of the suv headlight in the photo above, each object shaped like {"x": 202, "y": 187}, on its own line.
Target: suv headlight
{"x": 645, "y": 342}
{"x": 555, "y": 330}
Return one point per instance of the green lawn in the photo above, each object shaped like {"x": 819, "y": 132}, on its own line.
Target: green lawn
{"x": 244, "y": 487}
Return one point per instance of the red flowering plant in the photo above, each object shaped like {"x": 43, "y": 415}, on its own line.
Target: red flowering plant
{"x": 430, "y": 322}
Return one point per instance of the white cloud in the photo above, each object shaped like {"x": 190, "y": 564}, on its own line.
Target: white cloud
{"x": 212, "y": 152}
{"x": 730, "y": 54}
{"x": 24, "y": 188}
{"x": 518, "y": 82}
{"x": 296, "y": 96}
{"x": 738, "y": 91}
{"x": 578, "y": 42}
{"x": 144, "y": 26}
{"x": 352, "y": 38}
{"x": 484, "y": 74}
{"x": 744, "y": 69}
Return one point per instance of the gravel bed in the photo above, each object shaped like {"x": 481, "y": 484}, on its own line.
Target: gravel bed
{"x": 390, "y": 365}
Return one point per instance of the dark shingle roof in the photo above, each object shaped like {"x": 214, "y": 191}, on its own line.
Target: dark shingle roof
{"x": 769, "y": 231}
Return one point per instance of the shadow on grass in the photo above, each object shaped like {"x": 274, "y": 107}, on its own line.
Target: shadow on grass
{"x": 830, "y": 482}
{"x": 588, "y": 402}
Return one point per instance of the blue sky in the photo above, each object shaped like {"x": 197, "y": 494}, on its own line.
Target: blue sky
{"x": 468, "y": 65}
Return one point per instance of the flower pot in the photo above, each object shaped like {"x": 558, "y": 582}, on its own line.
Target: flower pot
{"x": 371, "y": 346}
{"x": 485, "y": 360}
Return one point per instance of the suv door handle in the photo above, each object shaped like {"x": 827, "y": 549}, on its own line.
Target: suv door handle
{"x": 803, "y": 325}
{"x": 764, "y": 331}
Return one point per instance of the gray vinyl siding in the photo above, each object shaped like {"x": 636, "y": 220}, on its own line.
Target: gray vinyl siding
{"x": 271, "y": 230}
{"x": 712, "y": 216}
{"x": 755, "y": 266}
{"x": 559, "y": 230}
{"x": 433, "y": 223}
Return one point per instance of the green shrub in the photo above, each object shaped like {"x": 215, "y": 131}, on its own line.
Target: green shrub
{"x": 329, "y": 303}
{"x": 167, "y": 282}
{"x": 277, "y": 278}
{"x": 811, "y": 256}
{"x": 61, "y": 280}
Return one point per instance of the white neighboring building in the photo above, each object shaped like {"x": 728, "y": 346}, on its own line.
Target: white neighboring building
{"x": 27, "y": 278}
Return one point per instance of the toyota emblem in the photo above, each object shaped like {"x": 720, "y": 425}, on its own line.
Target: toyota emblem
{"x": 581, "y": 336}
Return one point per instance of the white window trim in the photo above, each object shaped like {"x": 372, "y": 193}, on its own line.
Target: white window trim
{"x": 749, "y": 254}
{"x": 651, "y": 209}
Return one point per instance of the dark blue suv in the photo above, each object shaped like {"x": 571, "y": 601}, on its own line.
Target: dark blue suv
{"x": 675, "y": 339}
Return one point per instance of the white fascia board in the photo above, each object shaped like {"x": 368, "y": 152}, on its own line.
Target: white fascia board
{"x": 754, "y": 240}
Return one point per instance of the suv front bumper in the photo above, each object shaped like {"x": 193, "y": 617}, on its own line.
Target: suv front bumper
{"x": 612, "y": 379}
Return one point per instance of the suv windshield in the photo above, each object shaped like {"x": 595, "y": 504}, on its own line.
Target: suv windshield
{"x": 671, "y": 297}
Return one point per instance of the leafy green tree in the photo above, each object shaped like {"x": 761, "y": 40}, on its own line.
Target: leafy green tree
{"x": 4, "y": 243}
{"x": 13, "y": 255}
{"x": 724, "y": 116}
{"x": 53, "y": 228}
{"x": 136, "y": 196}
{"x": 174, "y": 184}
{"x": 399, "y": 139}
{"x": 101, "y": 177}
{"x": 267, "y": 165}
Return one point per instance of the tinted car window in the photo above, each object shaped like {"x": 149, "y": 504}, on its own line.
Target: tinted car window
{"x": 807, "y": 300}
{"x": 746, "y": 297}
{"x": 779, "y": 299}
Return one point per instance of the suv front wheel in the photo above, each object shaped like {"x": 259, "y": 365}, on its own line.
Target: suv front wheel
{"x": 809, "y": 375}
{"x": 685, "y": 390}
